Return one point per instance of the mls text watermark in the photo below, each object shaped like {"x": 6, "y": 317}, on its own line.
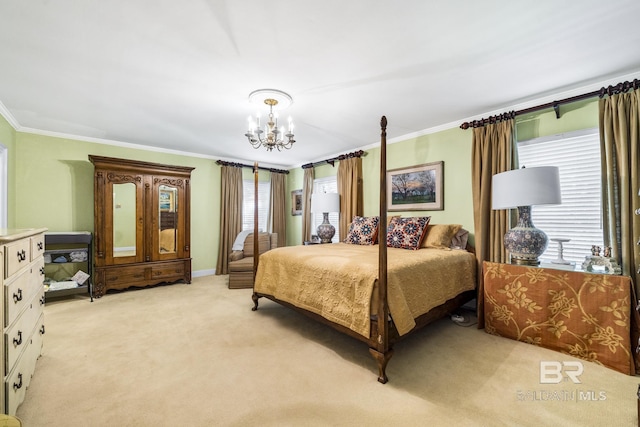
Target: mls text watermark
{"x": 553, "y": 373}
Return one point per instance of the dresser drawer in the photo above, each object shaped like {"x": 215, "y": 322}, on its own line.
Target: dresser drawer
{"x": 129, "y": 276}
{"x": 20, "y": 290}
{"x": 168, "y": 271}
{"x": 16, "y": 255}
{"x": 37, "y": 246}
{"x": 37, "y": 339}
{"x": 19, "y": 378}
{"x": 17, "y": 336}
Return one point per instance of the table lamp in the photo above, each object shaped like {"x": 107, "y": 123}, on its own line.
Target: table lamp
{"x": 325, "y": 203}
{"x": 523, "y": 188}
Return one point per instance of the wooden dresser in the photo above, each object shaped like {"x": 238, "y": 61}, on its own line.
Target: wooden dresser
{"x": 22, "y": 309}
{"x": 142, "y": 226}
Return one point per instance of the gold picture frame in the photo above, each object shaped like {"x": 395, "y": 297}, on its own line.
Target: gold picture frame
{"x": 416, "y": 188}
{"x": 296, "y": 202}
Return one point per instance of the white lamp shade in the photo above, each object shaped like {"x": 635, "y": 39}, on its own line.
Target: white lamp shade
{"x": 526, "y": 187}
{"x": 325, "y": 202}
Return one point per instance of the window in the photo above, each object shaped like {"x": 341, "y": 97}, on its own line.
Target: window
{"x": 326, "y": 185}
{"x": 579, "y": 218}
{"x": 264, "y": 190}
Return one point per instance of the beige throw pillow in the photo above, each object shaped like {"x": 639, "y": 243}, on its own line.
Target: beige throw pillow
{"x": 440, "y": 235}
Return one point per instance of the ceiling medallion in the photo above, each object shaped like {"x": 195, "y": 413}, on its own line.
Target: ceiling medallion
{"x": 272, "y": 136}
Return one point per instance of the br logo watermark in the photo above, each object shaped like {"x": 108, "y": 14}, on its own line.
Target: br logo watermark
{"x": 554, "y": 372}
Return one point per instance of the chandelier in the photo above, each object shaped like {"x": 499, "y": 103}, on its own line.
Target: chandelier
{"x": 272, "y": 136}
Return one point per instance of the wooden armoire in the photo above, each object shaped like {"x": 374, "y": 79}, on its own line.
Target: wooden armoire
{"x": 142, "y": 224}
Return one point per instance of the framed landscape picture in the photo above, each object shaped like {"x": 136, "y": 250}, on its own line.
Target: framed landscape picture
{"x": 166, "y": 200}
{"x": 416, "y": 188}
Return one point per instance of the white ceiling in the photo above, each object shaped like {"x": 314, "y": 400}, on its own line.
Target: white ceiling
{"x": 176, "y": 75}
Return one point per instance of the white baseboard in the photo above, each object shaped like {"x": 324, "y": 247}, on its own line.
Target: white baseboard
{"x": 201, "y": 273}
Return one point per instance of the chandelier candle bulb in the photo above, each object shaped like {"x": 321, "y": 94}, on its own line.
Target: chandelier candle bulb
{"x": 250, "y": 125}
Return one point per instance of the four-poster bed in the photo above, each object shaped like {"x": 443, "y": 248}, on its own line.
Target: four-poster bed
{"x": 351, "y": 287}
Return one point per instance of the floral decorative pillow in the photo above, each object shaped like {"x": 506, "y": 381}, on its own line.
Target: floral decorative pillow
{"x": 389, "y": 218}
{"x": 407, "y": 233}
{"x": 363, "y": 230}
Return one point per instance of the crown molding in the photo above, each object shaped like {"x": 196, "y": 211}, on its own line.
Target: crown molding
{"x": 137, "y": 146}
{"x": 435, "y": 129}
{"x": 9, "y": 117}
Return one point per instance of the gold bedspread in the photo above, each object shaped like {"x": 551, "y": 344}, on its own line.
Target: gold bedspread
{"x": 336, "y": 281}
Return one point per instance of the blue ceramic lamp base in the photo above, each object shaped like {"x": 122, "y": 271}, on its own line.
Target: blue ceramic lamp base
{"x": 524, "y": 242}
{"x": 326, "y": 231}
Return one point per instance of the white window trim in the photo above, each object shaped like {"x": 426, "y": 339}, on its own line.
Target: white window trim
{"x": 264, "y": 190}
{"x": 582, "y": 240}
{"x": 327, "y": 184}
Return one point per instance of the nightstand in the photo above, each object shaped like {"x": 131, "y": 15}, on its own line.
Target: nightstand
{"x": 587, "y": 315}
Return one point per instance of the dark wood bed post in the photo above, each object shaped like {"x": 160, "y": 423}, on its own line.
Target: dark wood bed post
{"x": 256, "y": 247}
{"x": 382, "y": 351}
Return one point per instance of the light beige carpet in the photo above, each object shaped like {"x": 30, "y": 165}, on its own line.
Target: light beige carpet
{"x": 196, "y": 355}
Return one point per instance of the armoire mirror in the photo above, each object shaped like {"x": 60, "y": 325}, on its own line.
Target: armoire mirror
{"x": 168, "y": 214}
{"x": 124, "y": 219}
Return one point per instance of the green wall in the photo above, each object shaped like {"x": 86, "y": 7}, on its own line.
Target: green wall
{"x": 575, "y": 116}
{"x": 55, "y": 189}
{"x": 294, "y": 223}
{"x": 453, "y": 146}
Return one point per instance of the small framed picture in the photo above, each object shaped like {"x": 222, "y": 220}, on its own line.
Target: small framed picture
{"x": 166, "y": 200}
{"x": 296, "y": 202}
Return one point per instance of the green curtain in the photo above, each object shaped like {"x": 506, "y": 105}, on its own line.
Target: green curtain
{"x": 351, "y": 194}
{"x": 230, "y": 214}
{"x": 619, "y": 120}
{"x": 493, "y": 152}
{"x": 307, "y": 189}
{"x": 277, "y": 201}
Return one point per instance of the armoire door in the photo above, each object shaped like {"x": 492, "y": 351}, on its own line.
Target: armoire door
{"x": 123, "y": 218}
{"x": 168, "y": 224}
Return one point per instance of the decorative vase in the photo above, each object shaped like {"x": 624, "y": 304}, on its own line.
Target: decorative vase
{"x": 326, "y": 231}
{"x": 525, "y": 242}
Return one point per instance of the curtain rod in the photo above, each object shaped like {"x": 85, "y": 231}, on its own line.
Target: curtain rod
{"x": 240, "y": 165}
{"x": 609, "y": 90}
{"x": 332, "y": 160}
